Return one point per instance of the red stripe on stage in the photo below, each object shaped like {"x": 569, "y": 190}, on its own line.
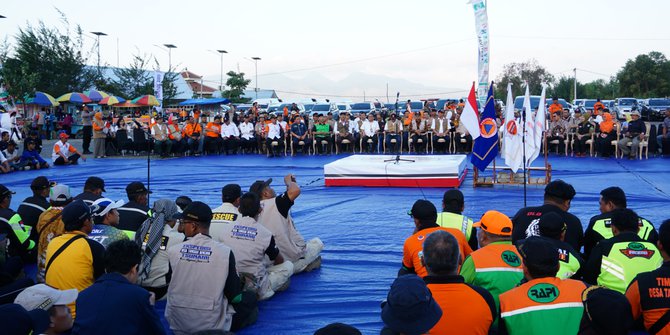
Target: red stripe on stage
{"x": 397, "y": 182}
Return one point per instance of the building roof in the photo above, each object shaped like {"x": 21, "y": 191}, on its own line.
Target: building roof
{"x": 188, "y": 76}
{"x": 197, "y": 88}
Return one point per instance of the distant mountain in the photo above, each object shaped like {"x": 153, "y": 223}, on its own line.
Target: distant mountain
{"x": 352, "y": 88}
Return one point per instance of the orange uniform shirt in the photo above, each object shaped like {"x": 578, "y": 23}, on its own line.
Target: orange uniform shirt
{"x": 413, "y": 248}
{"x": 555, "y": 108}
{"x": 213, "y": 125}
{"x": 189, "y": 129}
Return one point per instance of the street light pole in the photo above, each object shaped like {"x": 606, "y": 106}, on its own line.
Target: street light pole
{"x": 221, "y": 52}
{"x": 98, "y": 34}
{"x": 256, "y": 59}
{"x": 170, "y": 47}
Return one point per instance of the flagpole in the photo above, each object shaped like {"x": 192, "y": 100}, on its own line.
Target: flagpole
{"x": 524, "y": 155}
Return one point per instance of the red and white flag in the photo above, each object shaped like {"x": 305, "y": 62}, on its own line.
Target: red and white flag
{"x": 470, "y": 116}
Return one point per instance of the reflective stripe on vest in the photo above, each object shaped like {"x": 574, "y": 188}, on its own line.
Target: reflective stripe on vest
{"x": 34, "y": 206}
{"x": 456, "y": 221}
{"x": 625, "y": 261}
{"x": 22, "y": 232}
{"x": 604, "y": 228}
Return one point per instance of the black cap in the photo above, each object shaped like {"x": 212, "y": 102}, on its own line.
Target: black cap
{"x": 453, "y": 194}
{"x": 29, "y": 141}
{"x": 552, "y": 225}
{"x": 538, "y": 252}
{"x": 217, "y": 117}
{"x": 183, "y": 201}
{"x": 258, "y": 186}
{"x": 94, "y": 183}
{"x": 16, "y": 320}
{"x": 273, "y": 116}
{"x": 40, "y": 183}
{"x": 608, "y": 311}
{"x": 136, "y": 187}
{"x": 560, "y": 189}
{"x": 337, "y": 329}
{"x": 410, "y": 307}
{"x": 4, "y": 191}
{"x": 197, "y": 211}
{"x": 75, "y": 212}
{"x": 231, "y": 192}
{"x": 424, "y": 210}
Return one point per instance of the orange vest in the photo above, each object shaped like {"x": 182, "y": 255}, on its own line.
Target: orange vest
{"x": 413, "y": 248}
{"x": 452, "y": 296}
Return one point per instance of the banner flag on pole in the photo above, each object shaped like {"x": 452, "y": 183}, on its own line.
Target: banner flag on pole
{"x": 482, "y": 28}
{"x": 470, "y": 115}
{"x": 529, "y": 134}
{"x": 512, "y": 149}
{"x": 540, "y": 116}
{"x": 158, "y": 85}
{"x": 486, "y": 145}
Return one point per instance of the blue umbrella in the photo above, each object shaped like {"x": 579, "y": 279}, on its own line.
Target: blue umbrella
{"x": 44, "y": 99}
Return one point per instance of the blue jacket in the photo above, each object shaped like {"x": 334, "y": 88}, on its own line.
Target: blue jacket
{"x": 115, "y": 306}
{"x": 32, "y": 157}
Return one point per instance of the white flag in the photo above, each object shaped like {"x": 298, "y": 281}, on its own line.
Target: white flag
{"x": 158, "y": 85}
{"x": 512, "y": 149}
{"x": 540, "y": 117}
{"x": 529, "y": 134}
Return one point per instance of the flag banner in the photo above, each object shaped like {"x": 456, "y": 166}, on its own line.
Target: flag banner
{"x": 482, "y": 28}
{"x": 158, "y": 85}
{"x": 529, "y": 123}
{"x": 538, "y": 130}
{"x": 486, "y": 145}
{"x": 512, "y": 149}
{"x": 470, "y": 115}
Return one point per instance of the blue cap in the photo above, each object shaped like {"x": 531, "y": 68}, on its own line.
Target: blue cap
{"x": 75, "y": 212}
{"x": 410, "y": 307}
{"x": 16, "y": 320}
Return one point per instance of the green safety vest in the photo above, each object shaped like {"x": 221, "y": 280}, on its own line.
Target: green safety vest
{"x": 456, "y": 221}
{"x": 625, "y": 261}
{"x": 568, "y": 264}
{"x": 604, "y": 228}
{"x": 322, "y": 128}
{"x": 21, "y": 231}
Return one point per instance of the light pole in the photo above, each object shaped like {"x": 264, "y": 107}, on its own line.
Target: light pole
{"x": 256, "y": 59}
{"x": 170, "y": 47}
{"x": 98, "y": 34}
{"x": 221, "y": 52}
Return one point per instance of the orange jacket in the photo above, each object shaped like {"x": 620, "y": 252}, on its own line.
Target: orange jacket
{"x": 212, "y": 125}
{"x": 555, "y": 108}
{"x": 413, "y": 248}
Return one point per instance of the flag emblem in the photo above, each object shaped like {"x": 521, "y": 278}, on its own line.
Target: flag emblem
{"x": 488, "y": 128}
{"x": 511, "y": 127}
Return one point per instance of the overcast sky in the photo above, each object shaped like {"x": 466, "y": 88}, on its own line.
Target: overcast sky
{"x": 430, "y": 42}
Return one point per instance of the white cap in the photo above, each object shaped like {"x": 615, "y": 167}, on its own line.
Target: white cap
{"x": 44, "y": 297}
{"x": 60, "y": 193}
{"x": 102, "y": 206}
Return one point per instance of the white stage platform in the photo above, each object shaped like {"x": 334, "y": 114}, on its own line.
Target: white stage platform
{"x": 385, "y": 171}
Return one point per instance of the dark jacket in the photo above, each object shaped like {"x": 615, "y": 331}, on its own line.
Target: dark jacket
{"x": 88, "y": 197}
{"x": 526, "y": 220}
{"x": 115, "y": 306}
{"x": 132, "y": 215}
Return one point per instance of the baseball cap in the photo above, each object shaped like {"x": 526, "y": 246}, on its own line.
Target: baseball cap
{"x": 496, "y": 223}
{"x": 4, "y": 191}
{"x": 560, "y": 189}
{"x": 423, "y": 210}
{"x": 453, "y": 194}
{"x": 95, "y": 182}
{"x": 231, "y": 192}
{"x": 258, "y": 186}
{"x": 16, "y": 320}
{"x": 410, "y": 307}
{"x": 197, "y": 211}
{"x": 608, "y": 311}
{"x": 75, "y": 211}
{"x": 102, "y": 206}
{"x": 337, "y": 329}
{"x": 182, "y": 202}
{"x": 60, "y": 193}
{"x": 41, "y": 296}
{"x": 136, "y": 187}
{"x": 63, "y": 134}
{"x": 40, "y": 183}
{"x": 537, "y": 251}
{"x": 551, "y": 225}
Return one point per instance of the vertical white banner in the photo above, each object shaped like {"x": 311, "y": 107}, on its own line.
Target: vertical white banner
{"x": 158, "y": 85}
{"x": 482, "y": 28}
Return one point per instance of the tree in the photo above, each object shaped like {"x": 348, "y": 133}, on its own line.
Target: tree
{"x": 648, "y": 75}
{"x": 236, "y": 84}
{"x": 517, "y": 73}
{"x": 135, "y": 80}
{"x": 46, "y": 59}
{"x": 563, "y": 88}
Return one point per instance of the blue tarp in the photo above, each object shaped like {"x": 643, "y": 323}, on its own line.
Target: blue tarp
{"x": 213, "y": 101}
{"x": 363, "y": 228}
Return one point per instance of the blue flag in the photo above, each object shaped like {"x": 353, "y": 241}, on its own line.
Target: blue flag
{"x": 486, "y": 146}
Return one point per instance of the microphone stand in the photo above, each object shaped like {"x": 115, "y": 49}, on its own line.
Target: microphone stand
{"x": 148, "y": 134}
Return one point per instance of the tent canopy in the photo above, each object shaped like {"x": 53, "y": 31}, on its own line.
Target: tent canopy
{"x": 212, "y": 101}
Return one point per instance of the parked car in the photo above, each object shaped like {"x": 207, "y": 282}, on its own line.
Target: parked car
{"x": 623, "y": 107}
{"x": 588, "y": 104}
{"x": 343, "y": 107}
{"x": 657, "y": 107}
{"x": 363, "y": 107}
{"x": 440, "y": 104}
{"x": 578, "y": 102}
{"x": 324, "y": 109}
